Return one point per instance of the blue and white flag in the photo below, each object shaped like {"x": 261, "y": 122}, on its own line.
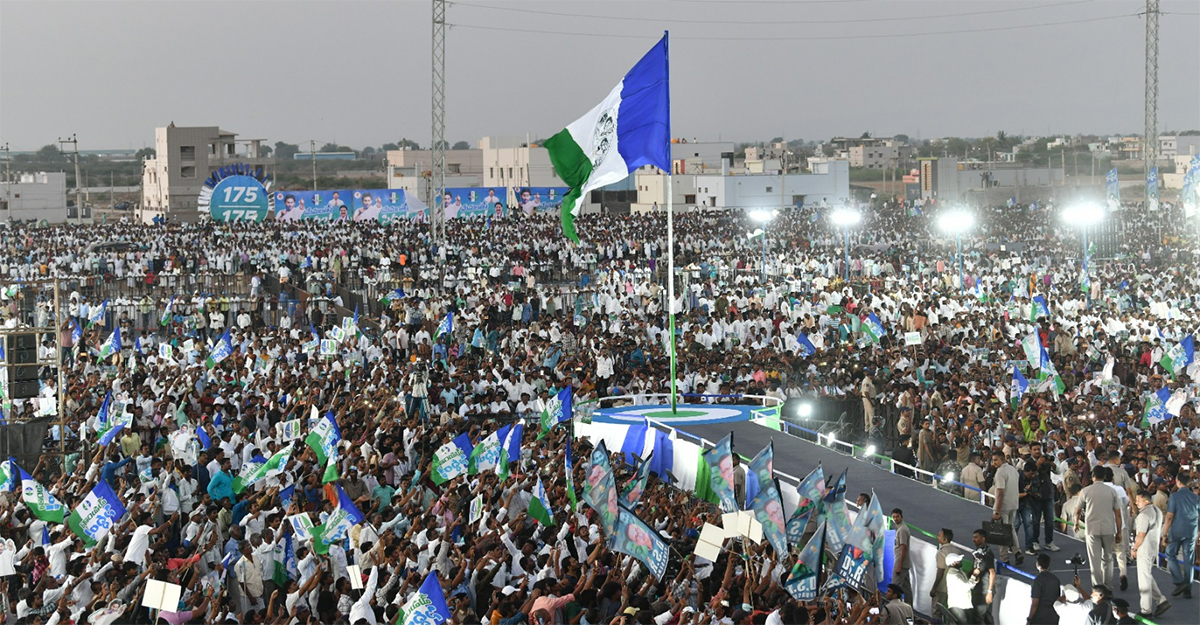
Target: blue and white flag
{"x": 337, "y": 526}
{"x": 1039, "y": 308}
{"x": 392, "y": 295}
{"x": 1190, "y": 195}
{"x": 1155, "y": 410}
{"x": 873, "y": 328}
{"x": 806, "y": 347}
{"x": 76, "y": 332}
{"x": 427, "y": 606}
{"x": 1020, "y": 386}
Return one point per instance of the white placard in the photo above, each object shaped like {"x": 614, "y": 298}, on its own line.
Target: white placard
{"x": 161, "y": 596}
{"x": 912, "y": 338}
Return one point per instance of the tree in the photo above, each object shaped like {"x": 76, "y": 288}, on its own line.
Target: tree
{"x": 389, "y": 146}
{"x": 901, "y": 138}
{"x": 50, "y": 153}
{"x": 285, "y": 151}
{"x": 865, "y": 135}
{"x": 461, "y": 145}
{"x": 409, "y": 144}
{"x": 145, "y": 153}
{"x": 776, "y": 140}
{"x": 331, "y": 147}
{"x": 264, "y": 151}
{"x": 368, "y": 151}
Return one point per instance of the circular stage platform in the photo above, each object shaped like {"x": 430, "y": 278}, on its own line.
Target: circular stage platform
{"x": 686, "y": 414}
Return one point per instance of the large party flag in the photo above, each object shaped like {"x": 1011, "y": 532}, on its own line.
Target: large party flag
{"x": 324, "y": 437}
{"x": 270, "y": 467}
{"x": 1038, "y": 308}
{"x": 40, "y": 502}
{"x": 630, "y": 128}
{"x": 802, "y": 583}
{"x": 806, "y": 347}
{"x": 486, "y": 454}
{"x": 1155, "y": 409}
{"x": 250, "y": 467}
{"x": 450, "y": 460}
{"x": 1113, "y": 189}
{"x": 76, "y": 333}
{"x": 833, "y": 509}
{"x": 809, "y": 491}
{"x": 427, "y": 606}
{"x": 96, "y": 514}
{"x": 768, "y": 509}
{"x": 873, "y": 328}
{"x": 337, "y": 525}
{"x": 282, "y": 555}
{"x": 721, "y": 473}
{"x": 1180, "y": 356}
{"x": 637, "y": 486}
{"x": 539, "y": 505}
{"x": 1020, "y": 386}
{"x": 222, "y": 350}
{"x": 634, "y": 443}
{"x": 116, "y": 424}
{"x": 331, "y": 469}
{"x": 167, "y": 312}
{"x": 632, "y": 536}
{"x": 445, "y": 327}
{"x": 557, "y": 410}
{"x": 111, "y": 345}
{"x": 760, "y": 471}
{"x": 96, "y": 314}
{"x": 600, "y": 489}
{"x": 102, "y": 417}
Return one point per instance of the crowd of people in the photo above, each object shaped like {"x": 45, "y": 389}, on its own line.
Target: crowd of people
{"x": 483, "y": 328}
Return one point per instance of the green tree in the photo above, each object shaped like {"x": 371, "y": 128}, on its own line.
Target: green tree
{"x": 285, "y": 151}
{"x": 409, "y": 144}
{"x": 264, "y": 151}
{"x": 331, "y": 147}
{"x": 389, "y": 146}
{"x": 901, "y": 138}
{"x": 145, "y": 153}
{"x": 461, "y": 145}
{"x": 50, "y": 153}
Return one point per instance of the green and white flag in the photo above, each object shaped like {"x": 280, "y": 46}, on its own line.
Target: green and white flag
{"x": 9, "y": 481}
{"x": 487, "y": 453}
{"x": 167, "y": 313}
{"x": 273, "y": 466}
{"x": 111, "y": 345}
{"x": 40, "y": 502}
{"x": 1032, "y": 345}
{"x": 96, "y": 514}
{"x": 331, "y": 469}
{"x": 539, "y": 506}
{"x": 324, "y": 437}
{"x": 1179, "y": 356}
{"x": 450, "y": 460}
{"x": 249, "y": 468}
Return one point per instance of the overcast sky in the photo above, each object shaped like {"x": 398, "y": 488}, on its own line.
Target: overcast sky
{"x": 358, "y": 72}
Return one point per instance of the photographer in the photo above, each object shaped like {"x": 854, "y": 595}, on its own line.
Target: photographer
{"x": 417, "y": 398}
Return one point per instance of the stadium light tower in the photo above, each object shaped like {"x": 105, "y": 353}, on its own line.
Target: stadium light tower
{"x": 844, "y": 218}
{"x": 764, "y": 217}
{"x": 1084, "y": 216}
{"x": 1150, "y": 150}
{"x": 957, "y": 222}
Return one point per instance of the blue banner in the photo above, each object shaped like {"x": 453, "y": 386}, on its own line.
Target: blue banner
{"x": 313, "y": 205}
{"x": 471, "y": 202}
{"x": 1152, "y": 188}
{"x": 634, "y": 537}
{"x": 1113, "y": 192}
{"x": 539, "y": 199}
{"x": 387, "y": 205}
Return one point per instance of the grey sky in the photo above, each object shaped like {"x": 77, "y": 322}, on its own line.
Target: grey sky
{"x": 358, "y": 72}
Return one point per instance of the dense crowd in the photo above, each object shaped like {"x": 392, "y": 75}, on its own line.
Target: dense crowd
{"x": 483, "y": 329}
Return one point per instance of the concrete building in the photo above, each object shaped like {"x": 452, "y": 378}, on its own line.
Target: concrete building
{"x": 35, "y": 197}
{"x": 1171, "y": 146}
{"x": 510, "y": 162}
{"x": 828, "y": 184}
{"x": 184, "y": 157}
{"x": 410, "y": 170}
{"x": 879, "y": 154}
{"x": 949, "y": 179}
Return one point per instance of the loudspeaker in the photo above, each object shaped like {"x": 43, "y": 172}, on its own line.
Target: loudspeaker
{"x": 22, "y": 356}
{"x": 22, "y": 341}
{"x": 24, "y": 372}
{"x": 24, "y": 390}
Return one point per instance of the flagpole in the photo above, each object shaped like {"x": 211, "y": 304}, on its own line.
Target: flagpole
{"x": 671, "y": 256}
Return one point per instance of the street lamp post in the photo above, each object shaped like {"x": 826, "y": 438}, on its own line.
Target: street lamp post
{"x": 763, "y": 217}
{"x": 1084, "y": 216}
{"x": 845, "y": 218}
{"x": 957, "y": 222}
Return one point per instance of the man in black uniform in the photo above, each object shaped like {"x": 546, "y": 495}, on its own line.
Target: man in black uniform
{"x": 985, "y": 578}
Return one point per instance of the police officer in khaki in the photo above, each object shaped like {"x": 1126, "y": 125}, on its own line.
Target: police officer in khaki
{"x": 1148, "y": 525}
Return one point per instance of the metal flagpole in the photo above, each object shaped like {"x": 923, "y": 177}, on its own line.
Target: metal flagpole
{"x": 671, "y": 282}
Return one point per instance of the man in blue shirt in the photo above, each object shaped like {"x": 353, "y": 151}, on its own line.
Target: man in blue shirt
{"x": 110, "y": 471}
{"x": 221, "y": 484}
{"x": 1179, "y": 534}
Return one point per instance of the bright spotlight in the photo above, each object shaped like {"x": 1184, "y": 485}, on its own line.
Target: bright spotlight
{"x": 763, "y": 215}
{"x": 805, "y": 410}
{"x": 1084, "y": 214}
{"x": 846, "y": 217}
{"x": 949, "y": 477}
{"x": 832, "y": 438}
{"x": 956, "y": 222}
{"x": 871, "y": 451}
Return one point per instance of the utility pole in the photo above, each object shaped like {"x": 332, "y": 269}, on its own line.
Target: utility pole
{"x": 78, "y": 181}
{"x": 437, "y": 171}
{"x": 8, "y": 181}
{"x": 782, "y": 185}
{"x": 312, "y": 154}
